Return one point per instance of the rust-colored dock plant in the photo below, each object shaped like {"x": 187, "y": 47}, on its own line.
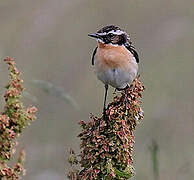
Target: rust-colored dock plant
{"x": 13, "y": 120}
{"x": 107, "y": 142}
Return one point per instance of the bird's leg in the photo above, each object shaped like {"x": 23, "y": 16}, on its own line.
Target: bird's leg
{"x": 105, "y": 96}
{"x": 126, "y": 99}
{"x": 115, "y": 91}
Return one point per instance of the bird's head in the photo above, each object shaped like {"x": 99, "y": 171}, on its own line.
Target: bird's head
{"x": 111, "y": 34}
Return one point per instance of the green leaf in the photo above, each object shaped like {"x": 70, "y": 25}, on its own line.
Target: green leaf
{"x": 123, "y": 174}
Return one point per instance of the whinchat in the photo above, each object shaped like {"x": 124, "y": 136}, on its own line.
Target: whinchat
{"x": 115, "y": 59}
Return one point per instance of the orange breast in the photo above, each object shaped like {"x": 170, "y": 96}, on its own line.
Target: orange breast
{"x": 110, "y": 56}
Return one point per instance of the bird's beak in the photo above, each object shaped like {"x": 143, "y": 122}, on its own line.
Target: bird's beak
{"x": 94, "y": 35}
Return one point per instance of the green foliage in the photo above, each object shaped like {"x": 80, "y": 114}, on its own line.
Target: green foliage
{"x": 154, "y": 154}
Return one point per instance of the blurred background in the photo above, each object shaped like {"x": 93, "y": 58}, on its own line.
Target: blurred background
{"x": 49, "y": 41}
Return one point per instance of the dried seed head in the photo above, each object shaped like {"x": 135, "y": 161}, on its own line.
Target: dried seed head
{"x": 107, "y": 142}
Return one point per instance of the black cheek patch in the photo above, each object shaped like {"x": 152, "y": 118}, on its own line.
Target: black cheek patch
{"x": 122, "y": 40}
{"x": 115, "y": 40}
{"x": 106, "y": 40}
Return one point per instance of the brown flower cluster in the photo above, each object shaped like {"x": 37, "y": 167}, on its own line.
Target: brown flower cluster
{"x": 107, "y": 143}
{"x": 13, "y": 120}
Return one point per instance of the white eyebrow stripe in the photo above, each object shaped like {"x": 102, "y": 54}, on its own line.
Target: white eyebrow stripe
{"x": 117, "y": 32}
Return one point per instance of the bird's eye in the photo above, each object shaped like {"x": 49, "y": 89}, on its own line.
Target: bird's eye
{"x": 110, "y": 35}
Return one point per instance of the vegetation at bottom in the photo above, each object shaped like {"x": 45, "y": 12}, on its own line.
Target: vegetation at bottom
{"x": 107, "y": 142}
{"x": 14, "y": 118}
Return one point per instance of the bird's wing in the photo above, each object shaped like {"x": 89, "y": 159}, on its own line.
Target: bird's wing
{"x": 93, "y": 55}
{"x": 133, "y": 51}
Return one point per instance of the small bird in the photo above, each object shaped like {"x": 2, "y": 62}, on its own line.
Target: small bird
{"x": 115, "y": 59}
